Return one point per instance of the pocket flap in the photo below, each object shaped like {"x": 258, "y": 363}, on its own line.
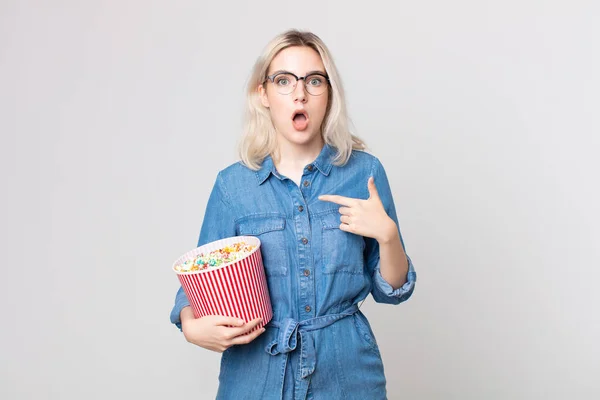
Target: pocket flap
{"x": 259, "y": 225}
{"x": 331, "y": 220}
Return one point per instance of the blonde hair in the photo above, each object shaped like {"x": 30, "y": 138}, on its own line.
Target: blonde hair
{"x": 259, "y": 138}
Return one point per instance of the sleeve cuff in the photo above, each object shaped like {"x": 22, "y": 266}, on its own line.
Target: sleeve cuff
{"x": 383, "y": 291}
{"x": 181, "y": 301}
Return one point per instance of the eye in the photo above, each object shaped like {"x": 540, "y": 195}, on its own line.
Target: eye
{"x": 283, "y": 80}
{"x": 315, "y": 80}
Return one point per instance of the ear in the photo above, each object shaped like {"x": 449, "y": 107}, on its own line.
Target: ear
{"x": 262, "y": 93}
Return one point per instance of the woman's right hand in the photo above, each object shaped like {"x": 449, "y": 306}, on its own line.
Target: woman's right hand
{"x": 212, "y": 332}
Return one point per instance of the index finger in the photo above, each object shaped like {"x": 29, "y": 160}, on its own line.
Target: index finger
{"x": 234, "y": 332}
{"x": 334, "y": 198}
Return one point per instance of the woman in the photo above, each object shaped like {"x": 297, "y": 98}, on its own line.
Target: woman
{"x": 323, "y": 210}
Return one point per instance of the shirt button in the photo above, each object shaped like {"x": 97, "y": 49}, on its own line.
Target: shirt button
{"x": 310, "y": 167}
{"x": 306, "y": 272}
{"x": 307, "y": 308}
{"x": 300, "y": 208}
{"x": 306, "y": 183}
{"x": 304, "y": 240}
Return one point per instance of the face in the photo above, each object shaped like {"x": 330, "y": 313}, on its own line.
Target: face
{"x": 296, "y": 129}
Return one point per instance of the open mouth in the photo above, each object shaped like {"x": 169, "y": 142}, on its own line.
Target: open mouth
{"x": 300, "y": 120}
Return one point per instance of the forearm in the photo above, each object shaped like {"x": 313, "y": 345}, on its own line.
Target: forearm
{"x": 186, "y": 314}
{"x": 393, "y": 263}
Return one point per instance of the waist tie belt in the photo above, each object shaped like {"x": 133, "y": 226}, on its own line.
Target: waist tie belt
{"x": 287, "y": 339}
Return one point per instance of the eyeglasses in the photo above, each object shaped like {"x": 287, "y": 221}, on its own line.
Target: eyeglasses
{"x": 315, "y": 83}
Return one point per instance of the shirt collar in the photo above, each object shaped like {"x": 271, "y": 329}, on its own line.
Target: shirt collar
{"x": 323, "y": 162}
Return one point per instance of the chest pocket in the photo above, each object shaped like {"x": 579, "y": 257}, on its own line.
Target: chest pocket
{"x": 271, "y": 232}
{"x": 341, "y": 251}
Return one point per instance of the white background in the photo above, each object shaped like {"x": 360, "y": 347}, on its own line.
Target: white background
{"x": 115, "y": 117}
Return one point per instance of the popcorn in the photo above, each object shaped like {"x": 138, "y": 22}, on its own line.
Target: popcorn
{"x": 216, "y": 258}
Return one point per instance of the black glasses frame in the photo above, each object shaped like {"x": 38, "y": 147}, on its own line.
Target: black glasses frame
{"x": 298, "y": 78}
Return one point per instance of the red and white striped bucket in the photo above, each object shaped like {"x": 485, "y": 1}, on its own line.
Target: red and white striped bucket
{"x": 235, "y": 290}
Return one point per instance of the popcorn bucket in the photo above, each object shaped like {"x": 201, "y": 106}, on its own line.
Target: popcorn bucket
{"x": 237, "y": 289}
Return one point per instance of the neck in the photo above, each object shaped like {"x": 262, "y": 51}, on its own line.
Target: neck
{"x": 290, "y": 156}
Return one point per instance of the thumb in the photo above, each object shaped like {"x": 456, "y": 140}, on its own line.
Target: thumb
{"x": 372, "y": 189}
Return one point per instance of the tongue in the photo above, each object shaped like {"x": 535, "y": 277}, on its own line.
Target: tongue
{"x": 300, "y": 122}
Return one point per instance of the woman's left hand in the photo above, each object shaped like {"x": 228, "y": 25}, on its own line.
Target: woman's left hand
{"x": 364, "y": 217}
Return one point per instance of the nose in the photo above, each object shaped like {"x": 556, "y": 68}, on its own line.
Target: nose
{"x": 299, "y": 92}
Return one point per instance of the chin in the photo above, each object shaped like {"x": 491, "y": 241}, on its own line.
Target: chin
{"x": 301, "y": 137}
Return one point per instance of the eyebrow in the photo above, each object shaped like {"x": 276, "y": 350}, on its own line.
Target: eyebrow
{"x": 289, "y": 72}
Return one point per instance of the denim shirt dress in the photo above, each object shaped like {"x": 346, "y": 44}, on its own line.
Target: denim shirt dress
{"x": 318, "y": 344}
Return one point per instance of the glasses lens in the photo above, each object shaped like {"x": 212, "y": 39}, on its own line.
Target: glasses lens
{"x": 315, "y": 84}
{"x": 285, "y": 83}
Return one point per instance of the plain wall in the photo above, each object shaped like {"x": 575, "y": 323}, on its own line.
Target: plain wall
{"x": 115, "y": 117}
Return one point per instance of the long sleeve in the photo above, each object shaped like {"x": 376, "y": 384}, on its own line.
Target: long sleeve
{"x": 218, "y": 223}
{"x": 381, "y": 290}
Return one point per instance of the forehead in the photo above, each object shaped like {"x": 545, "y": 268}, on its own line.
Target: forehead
{"x": 298, "y": 60}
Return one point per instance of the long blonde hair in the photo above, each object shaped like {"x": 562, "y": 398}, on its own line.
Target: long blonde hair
{"x": 259, "y": 138}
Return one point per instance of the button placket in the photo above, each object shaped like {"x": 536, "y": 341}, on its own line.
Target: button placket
{"x": 306, "y": 295}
